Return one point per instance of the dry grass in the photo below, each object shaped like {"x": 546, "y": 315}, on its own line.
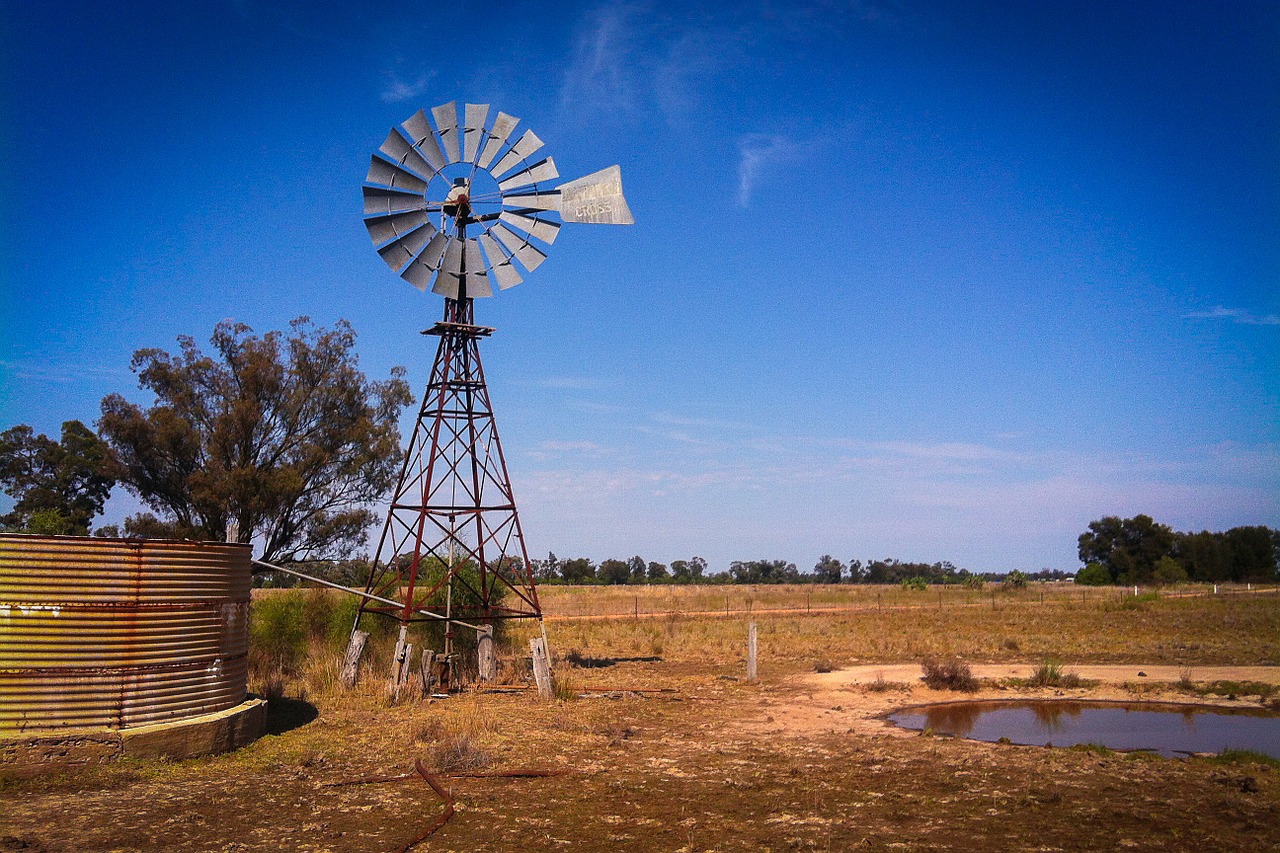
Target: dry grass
{"x": 666, "y": 772}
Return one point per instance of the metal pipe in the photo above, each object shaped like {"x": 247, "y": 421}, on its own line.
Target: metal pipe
{"x": 366, "y": 595}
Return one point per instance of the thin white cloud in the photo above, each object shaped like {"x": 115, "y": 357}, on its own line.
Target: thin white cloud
{"x": 565, "y": 383}
{"x": 758, "y": 153}
{"x": 1234, "y": 315}
{"x": 600, "y": 71}
{"x": 398, "y": 89}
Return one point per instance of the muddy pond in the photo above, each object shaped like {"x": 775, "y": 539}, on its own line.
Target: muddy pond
{"x": 1170, "y": 730}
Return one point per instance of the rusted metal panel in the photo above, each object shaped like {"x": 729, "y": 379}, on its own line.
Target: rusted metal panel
{"x": 119, "y": 632}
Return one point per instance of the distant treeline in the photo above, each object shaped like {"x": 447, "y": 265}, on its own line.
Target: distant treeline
{"x": 637, "y": 570}
{"x": 1140, "y": 550}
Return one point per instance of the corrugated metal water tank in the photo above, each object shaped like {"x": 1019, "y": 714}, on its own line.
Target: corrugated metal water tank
{"x": 119, "y": 632}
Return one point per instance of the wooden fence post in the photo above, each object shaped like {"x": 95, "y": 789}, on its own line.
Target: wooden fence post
{"x": 487, "y": 663}
{"x": 541, "y": 667}
{"x": 427, "y": 672}
{"x": 351, "y": 660}
{"x": 751, "y": 652}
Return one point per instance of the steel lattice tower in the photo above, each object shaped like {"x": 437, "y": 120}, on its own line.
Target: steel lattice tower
{"x": 453, "y": 518}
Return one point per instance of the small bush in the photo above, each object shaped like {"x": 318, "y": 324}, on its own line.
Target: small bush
{"x": 915, "y": 584}
{"x": 949, "y": 674}
{"x": 1050, "y": 674}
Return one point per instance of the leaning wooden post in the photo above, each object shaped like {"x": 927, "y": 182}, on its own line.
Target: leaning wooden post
{"x": 402, "y": 677}
{"x": 426, "y": 672}
{"x": 541, "y": 667}
{"x": 351, "y": 660}
{"x": 751, "y": 652}
{"x": 397, "y": 662}
{"x": 486, "y": 661}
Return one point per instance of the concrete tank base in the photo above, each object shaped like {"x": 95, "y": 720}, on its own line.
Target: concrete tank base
{"x": 208, "y": 734}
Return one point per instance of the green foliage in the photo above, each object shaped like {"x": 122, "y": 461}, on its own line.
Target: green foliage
{"x": 763, "y": 571}
{"x": 828, "y": 570}
{"x": 1133, "y": 550}
{"x": 1128, "y": 548}
{"x": 1169, "y": 571}
{"x": 949, "y": 674}
{"x": 578, "y": 571}
{"x": 613, "y": 572}
{"x": 58, "y": 487}
{"x": 915, "y": 584}
{"x": 974, "y": 582}
{"x": 1051, "y": 674}
{"x": 1094, "y": 574}
{"x": 1245, "y": 756}
{"x": 285, "y": 436}
{"x": 1014, "y": 580}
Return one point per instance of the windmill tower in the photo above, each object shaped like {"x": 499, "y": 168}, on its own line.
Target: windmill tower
{"x": 455, "y": 207}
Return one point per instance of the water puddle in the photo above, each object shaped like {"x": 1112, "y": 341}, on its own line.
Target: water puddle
{"x": 1170, "y": 730}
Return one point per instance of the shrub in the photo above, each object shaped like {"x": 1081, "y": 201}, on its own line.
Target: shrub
{"x": 1094, "y": 574}
{"x": 1050, "y": 674}
{"x": 949, "y": 674}
{"x": 917, "y": 584}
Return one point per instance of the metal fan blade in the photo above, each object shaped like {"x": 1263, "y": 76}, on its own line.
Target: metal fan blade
{"x": 543, "y": 170}
{"x": 378, "y": 200}
{"x": 384, "y": 228}
{"x": 597, "y": 199}
{"x": 432, "y": 255}
{"x": 424, "y": 139}
{"x": 477, "y": 274}
{"x": 474, "y": 116}
{"x": 502, "y": 127}
{"x": 535, "y": 199}
{"x": 540, "y": 228}
{"x": 446, "y": 286}
{"x": 520, "y": 247}
{"x": 400, "y": 150}
{"x": 446, "y": 116}
{"x": 382, "y": 172}
{"x": 525, "y": 145}
{"x": 451, "y": 271}
{"x": 420, "y": 272}
{"x": 504, "y": 271}
{"x": 399, "y": 252}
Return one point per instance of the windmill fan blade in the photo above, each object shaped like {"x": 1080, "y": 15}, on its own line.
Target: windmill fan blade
{"x": 502, "y": 127}
{"x": 384, "y": 228}
{"x": 540, "y": 228}
{"x": 504, "y": 271}
{"x": 400, "y": 150}
{"x": 423, "y": 269}
{"x": 526, "y": 145}
{"x": 596, "y": 198}
{"x": 446, "y": 116}
{"x": 474, "y": 116}
{"x": 424, "y": 139}
{"x": 543, "y": 170}
{"x": 449, "y": 282}
{"x": 378, "y": 200}
{"x": 534, "y": 199}
{"x": 520, "y": 247}
{"x": 382, "y": 172}
{"x": 399, "y": 252}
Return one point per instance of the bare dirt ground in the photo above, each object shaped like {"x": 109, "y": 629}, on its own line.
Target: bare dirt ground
{"x": 797, "y": 761}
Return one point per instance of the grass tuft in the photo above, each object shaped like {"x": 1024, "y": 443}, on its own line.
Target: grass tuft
{"x": 949, "y": 674}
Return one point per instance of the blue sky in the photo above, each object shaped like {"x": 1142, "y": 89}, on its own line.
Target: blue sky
{"x": 917, "y": 279}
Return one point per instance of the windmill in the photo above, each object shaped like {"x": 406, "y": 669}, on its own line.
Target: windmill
{"x": 455, "y": 207}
